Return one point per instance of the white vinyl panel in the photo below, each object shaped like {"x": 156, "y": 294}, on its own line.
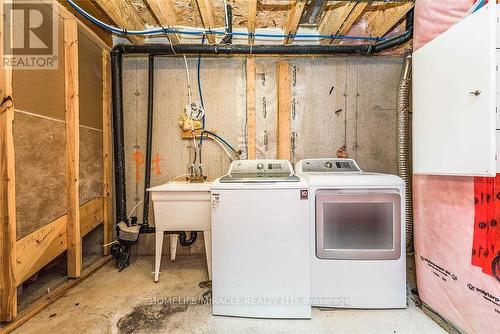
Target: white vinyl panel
{"x": 453, "y": 129}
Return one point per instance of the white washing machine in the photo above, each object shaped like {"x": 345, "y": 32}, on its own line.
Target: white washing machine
{"x": 358, "y": 257}
{"x": 260, "y": 242}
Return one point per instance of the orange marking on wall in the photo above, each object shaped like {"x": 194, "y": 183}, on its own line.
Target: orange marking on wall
{"x": 156, "y": 164}
{"x": 139, "y": 160}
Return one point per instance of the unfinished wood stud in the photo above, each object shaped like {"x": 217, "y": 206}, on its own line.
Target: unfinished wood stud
{"x": 106, "y": 151}
{"x": 71, "y": 91}
{"x": 251, "y": 134}
{"x": 284, "y": 111}
{"x": 8, "y": 293}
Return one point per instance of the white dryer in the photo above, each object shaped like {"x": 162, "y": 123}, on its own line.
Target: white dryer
{"x": 358, "y": 257}
{"x": 260, "y": 242}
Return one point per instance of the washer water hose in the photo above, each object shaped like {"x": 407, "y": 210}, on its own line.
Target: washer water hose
{"x": 404, "y": 146}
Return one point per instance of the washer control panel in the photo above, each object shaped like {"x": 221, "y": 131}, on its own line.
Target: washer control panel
{"x": 261, "y": 167}
{"x": 328, "y": 165}
{"x": 251, "y": 171}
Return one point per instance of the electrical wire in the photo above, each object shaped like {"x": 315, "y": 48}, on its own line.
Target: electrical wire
{"x": 135, "y": 207}
{"x": 222, "y": 140}
{"x": 188, "y": 80}
{"x": 221, "y": 145}
{"x": 200, "y": 93}
{"x": 211, "y": 31}
{"x": 178, "y": 176}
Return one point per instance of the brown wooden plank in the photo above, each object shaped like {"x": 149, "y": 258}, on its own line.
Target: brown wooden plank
{"x": 37, "y": 249}
{"x": 8, "y": 295}
{"x": 188, "y": 134}
{"x": 91, "y": 8}
{"x": 42, "y": 303}
{"x": 106, "y": 151}
{"x": 353, "y": 17}
{"x": 334, "y": 18}
{"x": 124, "y": 15}
{"x": 5, "y": 71}
{"x": 293, "y": 19}
{"x": 65, "y": 13}
{"x": 284, "y": 111}
{"x": 207, "y": 16}
{"x": 71, "y": 90}
{"x": 252, "y": 16}
{"x": 165, "y": 13}
{"x": 380, "y": 22}
{"x": 251, "y": 122}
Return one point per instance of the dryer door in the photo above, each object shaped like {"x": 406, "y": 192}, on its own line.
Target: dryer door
{"x": 358, "y": 224}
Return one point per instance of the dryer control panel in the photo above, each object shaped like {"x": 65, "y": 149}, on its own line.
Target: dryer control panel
{"x": 328, "y": 166}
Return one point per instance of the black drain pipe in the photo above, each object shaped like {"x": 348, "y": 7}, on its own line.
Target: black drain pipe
{"x": 118, "y": 136}
{"x": 149, "y": 142}
{"x": 214, "y": 49}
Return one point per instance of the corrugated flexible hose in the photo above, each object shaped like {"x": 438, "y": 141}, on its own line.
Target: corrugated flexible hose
{"x": 404, "y": 146}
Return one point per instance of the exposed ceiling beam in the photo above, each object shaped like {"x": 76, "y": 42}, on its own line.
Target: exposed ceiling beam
{"x": 93, "y": 10}
{"x": 333, "y": 19}
{"x": 207, "y": 16}
{"x": 124, "y": 15}
{"x": 353, "y": 17}
{"x": 252, "y": 16}
{"x": 293, "y": 19}
{"x": 380, "y": 22}
{"x": 164, "y": 11}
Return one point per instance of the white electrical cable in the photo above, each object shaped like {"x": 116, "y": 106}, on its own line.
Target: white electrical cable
{"x": 139, "y": 203}
{"x": 221, "y": 145}
{"x": 178, "y": 176}
{"x": 109, "y": 244}
{"x": 135, "y": 207}
{"x": 188, "y": 80}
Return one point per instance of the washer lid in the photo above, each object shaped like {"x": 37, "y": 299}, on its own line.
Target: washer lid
{"x": 260, "y": 171}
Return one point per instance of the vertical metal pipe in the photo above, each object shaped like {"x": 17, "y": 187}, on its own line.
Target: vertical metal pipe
{"x": 118, "y": 136}
{"x": 149, "y": 140}
{"x": 404, "y": 146}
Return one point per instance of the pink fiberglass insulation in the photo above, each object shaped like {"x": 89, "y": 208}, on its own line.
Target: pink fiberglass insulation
{"x": 444, "y": 216}
{"x": 444, "y": 230}
{"x": 432, "y": 18}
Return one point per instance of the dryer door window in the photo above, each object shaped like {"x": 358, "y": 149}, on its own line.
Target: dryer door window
{"x": 358, "y": 225}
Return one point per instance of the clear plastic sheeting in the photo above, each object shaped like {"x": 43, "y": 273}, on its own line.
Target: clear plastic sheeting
{"x": 319, "y": 107}
{"x": 266, "y": 109}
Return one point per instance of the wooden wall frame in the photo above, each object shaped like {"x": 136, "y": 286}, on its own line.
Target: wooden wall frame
{"x": 20, "y": 259}
{"x": 251, "y": 134}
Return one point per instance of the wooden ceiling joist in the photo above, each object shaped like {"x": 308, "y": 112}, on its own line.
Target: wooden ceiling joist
{"x": 333, "y": 19}
{"x": 380, "y": 22}
{"x": 164, "y": 11}
{"x": 293, "y": 19}
{"x": 354, "y": 16}
{"x": 207, "y": 17}
{"x": 124, "y": 15}
{"x": 252, "y": 16}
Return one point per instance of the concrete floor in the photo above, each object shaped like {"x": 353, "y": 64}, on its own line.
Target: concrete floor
{"x": 130, "y": 302}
